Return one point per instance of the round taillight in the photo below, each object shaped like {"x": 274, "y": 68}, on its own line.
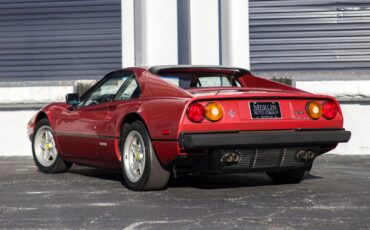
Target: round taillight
{"x": 329, "y": 109}
{"x": 214, "y": 111}
{"x": 196, "y": 112}
{"x": 314, "y": 110}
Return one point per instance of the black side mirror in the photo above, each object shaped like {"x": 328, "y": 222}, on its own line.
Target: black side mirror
{"x": 73, "y": 99}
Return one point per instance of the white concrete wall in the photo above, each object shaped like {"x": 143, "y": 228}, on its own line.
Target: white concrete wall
{"x": 235, "y": 33}
{"x": 204, "y": 32}
{"x": 128, "y": 33}
{"x": 33, "y": 94}
{"x": 13, "y": 133}
{"x": 357, "y": 120}
{"x": 218, "y": 33}
{"x": 155, "y": 32}
{"x": 350, "y": 89}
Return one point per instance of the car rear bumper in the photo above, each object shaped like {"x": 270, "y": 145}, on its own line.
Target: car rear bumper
{"x": 194, "y": 141}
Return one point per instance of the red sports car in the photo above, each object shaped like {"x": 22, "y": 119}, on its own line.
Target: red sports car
{"x": 185, "y": 119}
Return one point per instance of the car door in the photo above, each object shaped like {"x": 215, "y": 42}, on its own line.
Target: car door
{"x": 125, "y": 98}
{"x": 76, "y": 129}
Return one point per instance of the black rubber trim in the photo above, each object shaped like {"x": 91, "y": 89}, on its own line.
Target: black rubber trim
{"x": 158, "y": 69}
{"x": 191, "y": 141}
{"x": 85, "y": 135}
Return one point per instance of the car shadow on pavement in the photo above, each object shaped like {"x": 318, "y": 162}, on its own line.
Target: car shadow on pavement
{"x": 201, "y": 181}
{"x": 221, "y": 181}
{"x": 309, "y": 176}
{"x": 227, "y": 181}
{"x": 98, "y": 173}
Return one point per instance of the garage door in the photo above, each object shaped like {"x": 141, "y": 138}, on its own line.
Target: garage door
{"x": 310, "y": 35}
{"x": 65, "y": 39}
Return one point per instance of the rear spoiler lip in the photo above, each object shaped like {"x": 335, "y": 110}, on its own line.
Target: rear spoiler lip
{"x": 157, "y": 69}
{"x": 263, "y": 97}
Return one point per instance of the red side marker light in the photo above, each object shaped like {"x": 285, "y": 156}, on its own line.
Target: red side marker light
{"x": 166, "y": 131}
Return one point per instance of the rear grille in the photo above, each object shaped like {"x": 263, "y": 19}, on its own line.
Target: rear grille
{"x": 268, "y": 158}
{"x": 245, "y": 158}
{"x": 289, "y": 159}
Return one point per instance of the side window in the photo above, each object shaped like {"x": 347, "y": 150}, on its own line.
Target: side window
{"x": 107, "y": 90}
{"x": 129, "y": 90}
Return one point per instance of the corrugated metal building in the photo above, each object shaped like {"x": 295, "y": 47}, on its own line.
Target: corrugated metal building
{"x": 309, "y": 37}
{"x": 62, "y": 39}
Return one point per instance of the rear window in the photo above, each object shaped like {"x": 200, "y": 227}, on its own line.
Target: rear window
{"x": 201, "y": 80}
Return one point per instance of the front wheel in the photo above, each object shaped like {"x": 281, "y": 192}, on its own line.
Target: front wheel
{"x": 141, "y": 168}
{"x": 292, "y": 176}
{"x": 45, "y": 151}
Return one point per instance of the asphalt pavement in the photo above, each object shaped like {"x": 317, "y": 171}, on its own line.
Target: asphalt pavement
{"x": 336, "y": 195}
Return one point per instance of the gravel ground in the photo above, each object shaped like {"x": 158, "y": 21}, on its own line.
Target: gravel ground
{"x": 336, "y": 195}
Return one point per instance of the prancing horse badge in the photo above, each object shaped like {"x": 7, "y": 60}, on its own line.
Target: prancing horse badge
{"x": 231, "y": 113}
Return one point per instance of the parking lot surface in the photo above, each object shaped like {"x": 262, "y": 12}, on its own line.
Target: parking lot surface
{"x": 336, "y": 195}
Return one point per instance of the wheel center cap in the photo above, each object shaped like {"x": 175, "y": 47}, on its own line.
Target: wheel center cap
{"x": 48, "y": 146}
{"x": 138, "y": 156}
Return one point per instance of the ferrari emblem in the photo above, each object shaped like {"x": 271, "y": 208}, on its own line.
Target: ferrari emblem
{"x": 231, "y": 113}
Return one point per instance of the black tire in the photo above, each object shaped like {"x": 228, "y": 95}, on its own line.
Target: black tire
{"x": 154, "y": 177}
{"x": 59, "y": 165}
{"x": 292, "y": 176}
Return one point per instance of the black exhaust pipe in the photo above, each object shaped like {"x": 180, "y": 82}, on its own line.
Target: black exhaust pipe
{"x": 305, "y": 155}
{"x": 311, "y": 155}
{"x": 230, "y": 157}
{"x": 302, "y": 155}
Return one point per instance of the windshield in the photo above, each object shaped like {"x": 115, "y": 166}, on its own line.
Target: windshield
{"x": 201, "y": 80}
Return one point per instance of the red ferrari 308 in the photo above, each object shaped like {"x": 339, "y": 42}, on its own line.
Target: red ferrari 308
{"x": 185, "y": 119}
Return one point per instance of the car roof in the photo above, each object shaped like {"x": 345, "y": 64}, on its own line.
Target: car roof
{"x": 160, "y": 68}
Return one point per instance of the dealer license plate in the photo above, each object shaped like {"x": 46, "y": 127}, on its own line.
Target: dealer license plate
{"x": 263, "y": 110}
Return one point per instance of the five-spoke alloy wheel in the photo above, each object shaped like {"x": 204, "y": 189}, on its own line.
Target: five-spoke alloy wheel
{"x": 45, "y": 151}
{"x": 140, "y": 166}
{"x": 134, "y": 156}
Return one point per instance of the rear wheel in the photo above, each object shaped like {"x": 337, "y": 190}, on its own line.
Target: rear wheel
{"x": 140, "y": 166}
{"x": 291, "y": 176}
{"x": 45, "y": 151}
